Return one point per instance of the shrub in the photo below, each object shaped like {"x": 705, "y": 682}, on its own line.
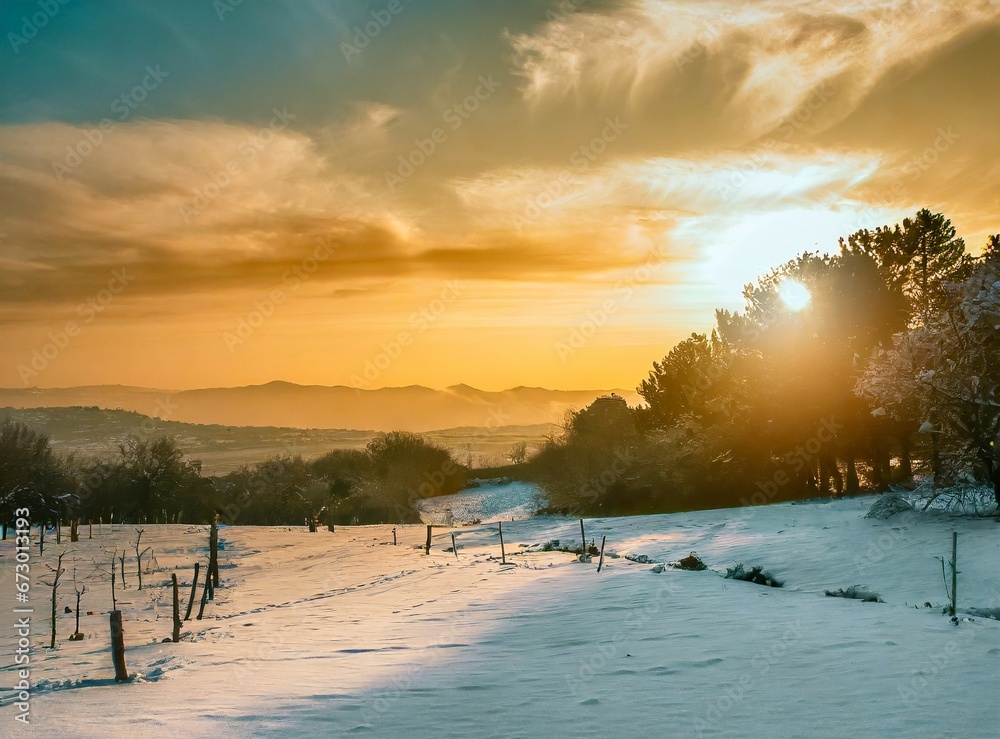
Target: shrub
{"x": 889, "y": 505}
{"x": 755, "y": 574}
{"x": 855, "y": 592}
{"x": 691, "y": 562}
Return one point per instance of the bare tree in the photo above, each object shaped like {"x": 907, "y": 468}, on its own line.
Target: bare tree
{"x": 114, "y": 575}
{"x": 138, "y": 556}
{"x": 518, "y": 453}
{"x": 80, "y": 590}
{"x": 57, "y": 573}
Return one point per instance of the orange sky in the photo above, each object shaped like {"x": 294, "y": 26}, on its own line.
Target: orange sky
{"x": 500, "y": 194}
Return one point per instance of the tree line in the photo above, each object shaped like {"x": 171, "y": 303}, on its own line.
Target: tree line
{"x": 848, "y": 372}
{"x": 150, "y": 480}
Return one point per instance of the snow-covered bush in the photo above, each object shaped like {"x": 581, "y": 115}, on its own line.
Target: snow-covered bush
{"x": 756, "y": 574}
{"x": 855, "y": 592}
{"x": 967, "y": 498}
{"x": 889, "y": 505}
{"x": 993, "y": 613}
{"x": 641, "y": 559}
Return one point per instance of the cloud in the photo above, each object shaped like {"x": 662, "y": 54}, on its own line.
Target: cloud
{"x": 723, "y": 219}
{"x": 657, "y": 188}
{"x": 202, "y": 207}
{"x": 761, "y": 60}
{"x": 191, "y": 202}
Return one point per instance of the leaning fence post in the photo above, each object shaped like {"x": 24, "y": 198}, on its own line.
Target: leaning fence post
{"x": 204, "y": 592}
{"x": 600, "y": 564}
{"x": 583, "y": 539}
{"x": 194, "y": 591}
{"x": 454, "y": 546}
{"x": 118, "y": 647}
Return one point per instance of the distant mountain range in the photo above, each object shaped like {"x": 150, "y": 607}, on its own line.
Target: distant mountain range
{"x": 285, "y": 404}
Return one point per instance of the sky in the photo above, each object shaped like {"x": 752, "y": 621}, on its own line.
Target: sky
{"x": 529, "y": 192}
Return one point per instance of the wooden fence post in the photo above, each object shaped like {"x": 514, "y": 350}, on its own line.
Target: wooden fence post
{"x": 427, "y": 546}
{"x": 954, "y": 572}
{"x": 176, "y": 636}
{"x": 118, "y": 647}
{"x": 194, "y": 591}
{"x": 454, "y": 546}
{"x": 503, "y": 554}
{"x": 204, "y": 592}
{"x": 213, "y": 554}
{"x": 394, "y": 537}
{"x": 600, "y": 563}
{"x": 583, "y": 539}
{"x": 90, "y": 528}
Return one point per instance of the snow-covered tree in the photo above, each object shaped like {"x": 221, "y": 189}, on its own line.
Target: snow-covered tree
{"x": 945, "y": 373}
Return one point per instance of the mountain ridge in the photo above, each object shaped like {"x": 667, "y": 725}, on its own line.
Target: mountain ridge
{"x": 285, "y": 404}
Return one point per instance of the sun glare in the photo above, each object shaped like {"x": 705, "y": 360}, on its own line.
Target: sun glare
{"x": 794, "y": 295}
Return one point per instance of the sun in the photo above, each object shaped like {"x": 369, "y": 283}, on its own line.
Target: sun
{"x": 794, "y": 295}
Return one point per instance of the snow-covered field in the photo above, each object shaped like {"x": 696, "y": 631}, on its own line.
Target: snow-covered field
{"x": 329, "y": 634}
{"x": 486, "y": 503}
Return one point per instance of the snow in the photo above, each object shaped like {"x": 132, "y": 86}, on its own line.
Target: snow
{"x": 489, "y": 502}
{"x": 329, "y": 634}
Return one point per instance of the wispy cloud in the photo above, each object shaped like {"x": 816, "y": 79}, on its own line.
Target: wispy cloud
{"x": 762, "y": 59}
